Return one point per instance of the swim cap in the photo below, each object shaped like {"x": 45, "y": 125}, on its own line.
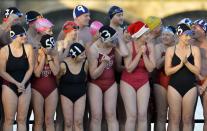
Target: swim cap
{"x": 201, "y": 23}
{"x": 181, "y": 29}
{"x": 186, "y": 21}
{"x": 79, "y": 10}
{"x": 107, "y": 33}
{"x": 114, "y": 10}
{"x": 69, "y": 26}
{"x": 47, "y": 42}
{"x": 43, "y": 24}
{"x": 94, "y": 27}
{"x": 75, "y": 50}
{"x": 32, "y": 16}
{"x": 153, "y": 22}
{"x": 16, "y": 30}
{"x": 12, "y": 10}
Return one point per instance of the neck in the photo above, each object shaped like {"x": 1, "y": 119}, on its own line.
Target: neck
{"x": 113, "y": 25}
{"x": 16, "y": 44}
{"x": 67, "y": 41}
{"x": 80, "y": 25}
{"x": 201, "y": 40}
{"x": 73, "y": 61}
{"x": 182, "y": 44}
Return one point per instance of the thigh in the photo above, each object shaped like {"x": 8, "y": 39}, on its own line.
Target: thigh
{"x": 23, "y": 103}
{"x": 10, "y": 101}
{"x": 110, "y": 99}
{"x": 143, "y": 95}
{"x": 174, "y": 102}
{"x": 38, "y": 105}
{"x": 79, "y": 108}
{"x": 51, "y": 104}
{"x": 189, "y": 101}
{"x": 95, "y": 99}
{"x": 129, "y": 97}
{"x": 67, "y": 108}
{"x": 160, "y": 94}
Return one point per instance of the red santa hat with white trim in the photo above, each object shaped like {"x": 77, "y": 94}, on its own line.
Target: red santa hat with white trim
{"x": 137, "y": 29}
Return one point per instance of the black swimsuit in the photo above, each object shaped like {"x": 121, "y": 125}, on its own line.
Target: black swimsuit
{"x": 73, "y": 86}
{"x": 183, "y": 80}
{"x": 16, "y": 67}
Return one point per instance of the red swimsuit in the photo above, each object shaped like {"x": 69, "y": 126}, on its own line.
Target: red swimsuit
{"x": 161, "y": 78}
{"x": 139, "y": 76}
{"x": 46, "y": 83}
{"x": 107, "y": 78}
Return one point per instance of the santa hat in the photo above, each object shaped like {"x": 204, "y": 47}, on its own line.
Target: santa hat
{"x": 137, "y": 29}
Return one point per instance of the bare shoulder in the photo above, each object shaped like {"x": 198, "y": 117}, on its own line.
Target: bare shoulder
{"x": 4, "y": 51}
{"x": 195, "y": 49}
{"x": 170, "y": 50}
{"x": 93, "y": 51}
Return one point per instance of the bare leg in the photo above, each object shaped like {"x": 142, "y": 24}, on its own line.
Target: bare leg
{"x": 23, "y": 107}
{"x": 38, "y": 108}
{"x": 10, "y": 101}
{"x": 96, "y": 103}
{"x": 161, "y": 107}
{"x": 143, "y": 95}
{"x": 67, "y": 109}
{"x": 174, "y": 101}
{"x": 79, "y": 109}
{"x": 188, "y": 104}
{"x": 129, "y": 97}
{"x": 110, "y": 99}
{"x": 50, "y": 107}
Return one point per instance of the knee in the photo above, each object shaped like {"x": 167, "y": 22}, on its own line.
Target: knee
{"x": 49, "y": 121}
{"x": 68, "y": 123}
{"x": 174, "y": 119}
{"x": 96, "y": 117}
{"x": 142, "y": 116}
{"x": 78, "y": 123}
{"x": 187, "y": 120}
{"x": 9, "y": 120}
{"x": 21, "y": 120}
{"x": 131, "y": 117}
{"x": 38, "y": 122}
{"x": 110, "y": 116}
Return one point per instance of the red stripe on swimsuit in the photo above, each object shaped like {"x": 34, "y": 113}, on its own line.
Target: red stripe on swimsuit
{"x": 140, "y": 75}
{"x": 107, "y": 78}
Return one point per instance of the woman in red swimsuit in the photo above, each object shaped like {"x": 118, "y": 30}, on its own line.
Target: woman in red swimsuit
{"x": 102, "y": 87}
{"x": 161, "y": 79}
{"x": 134, "y": 86}
{"x": 44, "y": 88}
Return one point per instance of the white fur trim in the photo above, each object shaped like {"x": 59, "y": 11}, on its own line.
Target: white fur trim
{"x": 140, "y": 32}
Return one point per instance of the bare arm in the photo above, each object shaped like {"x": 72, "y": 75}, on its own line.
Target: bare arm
{"x": 130, "y": 64}
{"x": 119, "y": 66}
{"x": 61, "y": 72}
{"x": 149, "y": 61}
{"x": 169, "y": 70}
{"x": 39, "y": 64}
{"x": 30, "y": 56}
{"x": 94, "y": 69}
{"x": 197, "y": 61}
{"x": 54, "y": 64}
{"x": 4, "y": 57}
{"x": 158, "y": 57}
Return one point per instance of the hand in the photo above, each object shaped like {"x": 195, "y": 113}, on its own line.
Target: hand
{"x": 185, "y": 60}
{"x": 105, "y": 59}
{"x": 21, "y": 87}
{"x": 201, "y": 89}
{"x": 200, "y": 77}
{"x": 143, "y": 49}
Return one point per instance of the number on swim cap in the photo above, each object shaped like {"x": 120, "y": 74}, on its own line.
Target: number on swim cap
{"x": 8, "y": 12}
{"x": 80, "y": 8}
{"x": 107, "y": 34}
{"x": 12, "y": 33}
{"x": 50, "y": 43}
{"x": 179, "y": 30}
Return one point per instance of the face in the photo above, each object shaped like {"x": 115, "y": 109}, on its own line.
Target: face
{"x": 185, "y": 38}
{"x": 143, "y": 38}
{"x": 199, "y": 32}
{"x": 157, "y": 30}
{"x": 167, "y": 38}
{"x": 81, "y": 57}
{"x": 73, "y": 34}
{"x": 127, "y": 36}
{"x": 118, "y": 18}
{"x": 84, "y": 19}
{"x": 21, "y": 38}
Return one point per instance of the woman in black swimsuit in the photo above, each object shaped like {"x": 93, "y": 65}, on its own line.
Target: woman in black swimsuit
{"x": 16, "y": 68}
{"x": 182, "y": 63}
{"x": 72, "y": 87}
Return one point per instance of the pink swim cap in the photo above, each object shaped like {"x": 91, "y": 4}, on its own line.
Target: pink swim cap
{"x": 94, "y": 27}
{"x": 43, "y": 24}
